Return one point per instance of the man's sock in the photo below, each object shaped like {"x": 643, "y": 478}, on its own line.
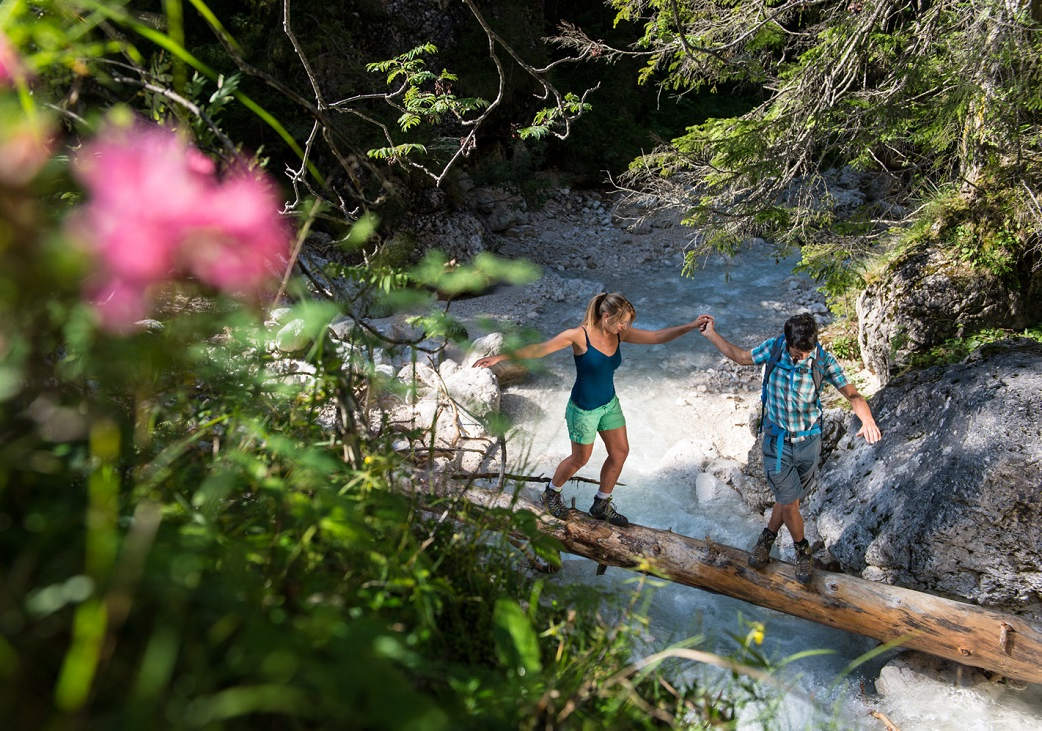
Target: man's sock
{"x": 550, "y": 485}
{"x": 603, "y": 495}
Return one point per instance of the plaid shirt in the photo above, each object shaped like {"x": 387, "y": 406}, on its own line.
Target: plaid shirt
{"x": 791, "y": 403}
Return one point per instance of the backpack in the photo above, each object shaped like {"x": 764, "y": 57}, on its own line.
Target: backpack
{"x": 817, "y": 373}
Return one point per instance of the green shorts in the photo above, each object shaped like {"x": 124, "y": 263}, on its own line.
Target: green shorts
{"x": 583, "y": 425}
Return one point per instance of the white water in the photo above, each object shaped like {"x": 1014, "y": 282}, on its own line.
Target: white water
{"x": 664, "y": 411}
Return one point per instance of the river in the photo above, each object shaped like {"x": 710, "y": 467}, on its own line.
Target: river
{"x": 676, "y": 400}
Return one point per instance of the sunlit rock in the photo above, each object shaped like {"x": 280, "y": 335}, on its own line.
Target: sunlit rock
{"x": 292, "y": 337}
{"x": 948, "y": 500}
{"x": 475, "y": 388}
{"x": 927, "y": 297}
{"x": 919, "y": 692}
{"x": 508, "y": 372}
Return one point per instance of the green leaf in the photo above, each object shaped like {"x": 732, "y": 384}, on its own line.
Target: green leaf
{"x": 516, "y": 643}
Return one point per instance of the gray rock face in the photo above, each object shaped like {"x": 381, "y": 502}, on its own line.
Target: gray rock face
{"x": 926, "y": 298}
{"x": 500, "y": 208}
{"x": 950, "y": 500}
{"x": 459, "y": 234}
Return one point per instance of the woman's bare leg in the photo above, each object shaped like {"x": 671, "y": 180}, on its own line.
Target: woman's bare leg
{"x": 618, "y": 446}
{"x": 572, "y": 463}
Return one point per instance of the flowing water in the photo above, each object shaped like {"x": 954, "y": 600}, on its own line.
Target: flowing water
{"x": 668, "y": 415}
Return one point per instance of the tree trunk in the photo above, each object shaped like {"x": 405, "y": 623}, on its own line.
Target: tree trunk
{"x": 965, "y": 633}
{"x": 977, "y": 133}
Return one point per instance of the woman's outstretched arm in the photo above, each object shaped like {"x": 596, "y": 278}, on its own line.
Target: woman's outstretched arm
{"x": 654, "y": 337}
{"x": 537, "y": 350}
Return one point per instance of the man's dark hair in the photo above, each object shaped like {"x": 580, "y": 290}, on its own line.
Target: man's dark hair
{"x": 801, "y": 332}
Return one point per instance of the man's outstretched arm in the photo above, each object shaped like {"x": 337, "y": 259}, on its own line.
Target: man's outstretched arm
{"x": 868, "y": 430}
{"x": 706, "y": 324}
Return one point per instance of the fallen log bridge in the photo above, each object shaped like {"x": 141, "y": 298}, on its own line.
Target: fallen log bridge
{"x": 965, "y": 633}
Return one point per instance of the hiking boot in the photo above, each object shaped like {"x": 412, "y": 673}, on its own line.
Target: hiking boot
{"x": 602, "y": 509}
{"x": 804, "y": 562}
{"x": 761, "y": 552}
{"x": 551, "y": 500}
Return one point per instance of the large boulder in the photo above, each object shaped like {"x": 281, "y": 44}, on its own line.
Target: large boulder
{"x": 916, "y": 691}
{"x": 460, "y": 234}
{"x": 500, "y": 208}
{"x": 949, "y": 499}
{"x": 476, "y": 389}
{"x": 927, "y": 297}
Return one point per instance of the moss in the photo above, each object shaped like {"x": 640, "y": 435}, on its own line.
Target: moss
{"x": 983, "y": 230}
{"x": 898, "y": 341}
{"x": 954, "y": 350}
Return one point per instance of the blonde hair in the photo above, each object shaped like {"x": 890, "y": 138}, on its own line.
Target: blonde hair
{"x": 607, "y": 304}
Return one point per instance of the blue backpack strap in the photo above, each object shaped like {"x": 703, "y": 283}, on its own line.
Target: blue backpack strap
{"x": 818, "y": 373}
{"x": 776, "y": 353}
{"x": 769, "y": 428}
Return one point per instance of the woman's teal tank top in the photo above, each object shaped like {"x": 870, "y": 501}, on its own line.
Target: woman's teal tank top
{"x": 594, "y": 376}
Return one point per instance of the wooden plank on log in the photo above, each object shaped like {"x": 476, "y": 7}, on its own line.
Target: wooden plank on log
{"x": 965, "y": 633}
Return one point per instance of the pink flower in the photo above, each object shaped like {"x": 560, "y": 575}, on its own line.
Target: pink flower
{"x": 120, "y": 304}
{"x": 157, "y": 212}
{"x": 25, "y": 145}
{"x": 10, "y": 66}
{"x": 240, "y": 211}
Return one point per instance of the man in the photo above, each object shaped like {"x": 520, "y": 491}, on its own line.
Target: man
{"x": 797, "y": 365}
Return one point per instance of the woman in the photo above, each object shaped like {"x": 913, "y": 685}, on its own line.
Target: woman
{"x": 593, "y": 407}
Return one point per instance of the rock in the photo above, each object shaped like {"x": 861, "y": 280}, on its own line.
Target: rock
{"x": 725, "y": 470}
{"x": 926, "y": 298}
{"x": 428, "y": 414}
{"x": 459, "y": 234}
{"x": 292, "y": 338}
{"x": 426, "y": 377}
{"x": 916, "y": 690}
{"x": 948, "y": 500}
{"x": 341, "y": 327}
{"x": 491, "y": 344}
{"x": 279, "y": 315}
{"x": 397, "y": 328}
{"x": 479, "y": 455}
{"x": 150, "y": 325}
{"x": 289, "y": 370}
{"x": 384, "y": 369}
{"x": 474, "y": 388}
{"x": 754, "y": 490}
{"x": 501, "y": 209}
{"x": 507, "y": 372}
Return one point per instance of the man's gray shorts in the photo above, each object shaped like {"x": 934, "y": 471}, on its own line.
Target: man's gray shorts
{"x": 799, "y": 467}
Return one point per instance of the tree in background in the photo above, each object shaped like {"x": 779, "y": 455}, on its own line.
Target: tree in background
{"x": 938, "y": 102}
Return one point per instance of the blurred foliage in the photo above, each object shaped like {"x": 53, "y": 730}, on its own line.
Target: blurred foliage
{"x": 198, "y": 531}
{"x": 190, "y": 538}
